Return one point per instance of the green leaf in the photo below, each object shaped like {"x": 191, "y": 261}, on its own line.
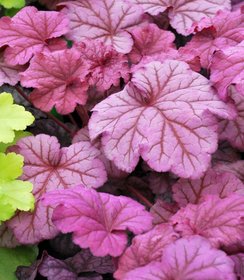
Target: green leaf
{"x": 14, "y": 194}
{"x": 10, "y": 259}
{"x": 8, "y": 4}
{"x": 12, "y": 117}
{"x": 18, "y": 135}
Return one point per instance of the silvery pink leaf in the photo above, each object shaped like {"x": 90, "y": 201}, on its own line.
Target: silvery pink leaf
{"x": 188, "y": 258}
{"x": 161, "y": 116}
{"x": 182, "y": 13}
{"x": 223, "y": 31}
{"x": 50, "y": 167}
{"x": 145, "y": 248}
{"x": 98, "y": 220}
{"x": 107, "y": 20}
{"x": 213, "y": 182}
{"x": 227, "y": 68}
{"x": 218, "y": 220}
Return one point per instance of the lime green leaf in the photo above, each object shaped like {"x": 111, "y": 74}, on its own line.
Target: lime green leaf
{"x": 14, "y": 194}
{"x": 10, "y": 259}
{"x": 18, "y": 135}
{"x": 12, "y": 117}
{"x": 8, "y": 4}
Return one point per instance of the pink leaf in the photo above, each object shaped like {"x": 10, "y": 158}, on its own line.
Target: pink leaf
{"x": 236, "y": 168}
{"x": 149, "y": 40}
{"x": 159, "y": 183}
{"x": 59, "y": 80}
{"x": 233, "y": 131}
{"x": 161, "y": 116}
{"x": 221, "y": 184}
{"x": 182, "y": 13}
{"x": 107, "y": 66}
{"x": 188, "y": 258}
{"x": 107, "y": 20}
{"x": 9, "y": 74}
{"x": 162, "y": 211}
{"x": 28, "y": 32}
{"x": 145, "y": 248}
{"x": 49, "y": 168}
{"x": 238, "y": 259}
{"x": 98, "y": 220}
{"x": 225, "y": 30}
{"x": 112, "y": 171}
{"x": 227, "y": 68}
{"x": 219, "y": 220}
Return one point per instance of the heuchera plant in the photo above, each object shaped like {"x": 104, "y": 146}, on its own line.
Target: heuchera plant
{"x": 133, "y": 168}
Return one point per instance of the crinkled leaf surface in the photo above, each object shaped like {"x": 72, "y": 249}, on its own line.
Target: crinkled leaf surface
{"x": 149, "y": 40}
{"x": 28, "y": 31}
{"x": 14, "y": 194}
{"x": 8, "y": 4}
{"x": 188, "y": 258}
{"x": 107, "y": 66}
{"x": 225, "y": 30}
{"x": 10, "y": 259}
{"x": 98, "y": 220}
{"x": 183, "y": 13}
{"x": 9, "y": 74}
{"x": 82, "y": 262}
{"x": 107, "y": 20}
{"x": 227, "y": 68}
{"x": 49, "y": 168}
{"x": 233, "y": 131}
{"x": 221, "y": 184}
{"x": 55, "y": 269}
{"x": 219, "y": 220}
{"x": 160, "y": 117}
{"x": 145, "y": 248}
{"x": 12, "y": 117}
{"x": 58, "y": 79}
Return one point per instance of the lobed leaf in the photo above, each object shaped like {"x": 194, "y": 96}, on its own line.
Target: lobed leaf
{"x": 108, "y": 20}
{"x": 50, "y": 167}
{"x": 58, "y": 79}
{"x": 218, "y": 220}
{"x": 28, "y": 32}
{"x": 161, "y": 116}
{"x": 186, "y": 259}
{"x": 98, "y": 220}
{"x": 12, "y": 117}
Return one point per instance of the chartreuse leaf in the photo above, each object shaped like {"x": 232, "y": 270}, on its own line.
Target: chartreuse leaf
{"x": 18, "y": 135}
{"x": 10, "y": 259}
{"x": 14, "y": 194}
{"x": 8, "y": 4}
{"x": 12, "y": 117}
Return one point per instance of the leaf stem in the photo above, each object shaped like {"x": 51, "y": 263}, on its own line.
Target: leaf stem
{"x": 83, "y": 114}
{"x": 140, "y": 196}
{"x": 57, "y": 121}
